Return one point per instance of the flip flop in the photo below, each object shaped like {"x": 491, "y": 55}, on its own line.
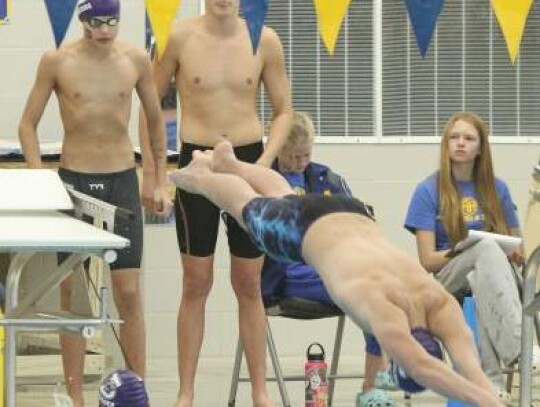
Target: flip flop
{"x": 384, "y": 381}
{"x": 374, "y": 398}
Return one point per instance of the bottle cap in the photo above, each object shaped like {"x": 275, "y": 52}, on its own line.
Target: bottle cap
{"x": 315, "y": 356}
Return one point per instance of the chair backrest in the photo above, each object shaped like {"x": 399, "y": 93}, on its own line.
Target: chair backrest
{"x": 302, "y": 308}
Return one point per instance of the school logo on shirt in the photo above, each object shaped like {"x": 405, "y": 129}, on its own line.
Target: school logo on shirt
{"x": 299, "y": 191}
{"x": 469, "y": 209}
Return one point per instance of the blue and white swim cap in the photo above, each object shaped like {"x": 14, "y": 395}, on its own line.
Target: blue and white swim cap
{"x": 123, "y": 388}
{"x": 400, "y": 376}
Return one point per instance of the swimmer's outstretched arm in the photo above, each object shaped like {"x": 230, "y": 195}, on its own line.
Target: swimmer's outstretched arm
{"x": 391, "y": 328}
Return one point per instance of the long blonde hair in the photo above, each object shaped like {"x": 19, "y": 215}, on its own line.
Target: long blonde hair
{"x": 484, "y": 183}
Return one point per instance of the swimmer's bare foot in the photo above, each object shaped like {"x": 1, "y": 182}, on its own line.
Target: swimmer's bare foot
{"x": 223, "y": 159}
{"x": 200, "y": 157}
{"x": 187, "y": 177}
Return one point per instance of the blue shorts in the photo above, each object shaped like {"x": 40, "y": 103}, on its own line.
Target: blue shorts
{"x": 372, "y": 345}
{"x": 278, "y": 225}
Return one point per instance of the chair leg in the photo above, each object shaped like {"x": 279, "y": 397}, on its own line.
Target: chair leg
{"x": 510, "y": 378}
{"x": 277, "y": 366}
{"x": 236, "y": 373}
{"x": 335, "y": 358}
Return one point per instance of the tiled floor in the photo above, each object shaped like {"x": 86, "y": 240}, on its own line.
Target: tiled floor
{"x": 213, "y": 384}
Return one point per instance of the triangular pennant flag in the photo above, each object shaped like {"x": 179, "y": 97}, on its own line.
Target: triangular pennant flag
{"x": 423, "y": 15}
{"x": 255, "y": 13}
{"x": 161, "y": 14}
{"x": 60, "y": 14}
{"x": 330, "y": 14}
{"x": 4, "y": 11}
{"x": 512, "y": 16}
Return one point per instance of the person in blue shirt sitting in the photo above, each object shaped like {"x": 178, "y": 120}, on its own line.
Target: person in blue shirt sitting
{"x": 301, "y": 280}
{"x": 464, "y": 195}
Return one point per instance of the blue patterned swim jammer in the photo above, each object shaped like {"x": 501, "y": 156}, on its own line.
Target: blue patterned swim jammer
{"x": 277, "y": 225}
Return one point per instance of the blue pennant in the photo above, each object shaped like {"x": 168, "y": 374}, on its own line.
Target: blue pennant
{"x": 3, "y": 9}
{"x": 423, "y": 15}
{"x": 255, "y": 13}
{"x": 60, "y": 14}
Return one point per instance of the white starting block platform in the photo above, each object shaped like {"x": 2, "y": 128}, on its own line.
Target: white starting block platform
{"x": 31, "y": 223}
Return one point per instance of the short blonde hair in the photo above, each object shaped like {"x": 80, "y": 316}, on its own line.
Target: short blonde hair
{"x": 302, "y": 131}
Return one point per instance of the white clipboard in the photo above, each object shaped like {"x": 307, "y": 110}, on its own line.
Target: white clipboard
{"x": 507, "y": 243}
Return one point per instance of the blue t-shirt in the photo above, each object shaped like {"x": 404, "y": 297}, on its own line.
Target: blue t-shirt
{"x": 423, "y": 212}
{"x": 297, "y": 180}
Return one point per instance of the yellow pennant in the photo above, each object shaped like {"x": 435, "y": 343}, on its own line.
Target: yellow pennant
{"x": 512, "y": 16}
{"x": 161, "y": 14}
{"x": 330, "y": 14}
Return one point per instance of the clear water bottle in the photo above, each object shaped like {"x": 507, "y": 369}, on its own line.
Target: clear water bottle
{"x": 316, "y": 377}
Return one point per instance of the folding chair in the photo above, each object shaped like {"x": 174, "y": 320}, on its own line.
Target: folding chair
{"x": 294, "y": 308}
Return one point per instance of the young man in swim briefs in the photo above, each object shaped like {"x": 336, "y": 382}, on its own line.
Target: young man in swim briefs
{"x": 93, "y": 79}
{"x": 218, "y": 79}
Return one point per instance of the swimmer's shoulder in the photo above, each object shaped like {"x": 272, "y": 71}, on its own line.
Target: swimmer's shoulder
{"x": 137, "y": 54}
{"x": 270, "y": 45}
{"x": 52, "y": 58}
{"x": 185, "y": 30}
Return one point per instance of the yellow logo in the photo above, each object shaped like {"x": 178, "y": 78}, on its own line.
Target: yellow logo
{"x": 299, "y": 191}
{"x": 469, "y": 209}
